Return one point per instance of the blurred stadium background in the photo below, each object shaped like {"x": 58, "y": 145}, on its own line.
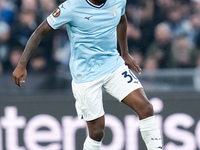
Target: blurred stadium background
{"x": 163, "y": 37}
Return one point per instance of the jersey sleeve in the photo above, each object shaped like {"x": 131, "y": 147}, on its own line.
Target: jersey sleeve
{"x": 123, "y": 7}
{"x": 60, "y": 16}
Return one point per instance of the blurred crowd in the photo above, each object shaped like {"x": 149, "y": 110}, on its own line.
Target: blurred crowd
{"x": 161, "y": 34}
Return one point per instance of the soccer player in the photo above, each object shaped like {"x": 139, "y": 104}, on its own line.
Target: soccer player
{"x": 94, "y": 26}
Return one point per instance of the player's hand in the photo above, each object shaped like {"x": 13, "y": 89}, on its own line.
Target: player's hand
{"x": 131, "y": 63}
{"x": 19, "y": 74}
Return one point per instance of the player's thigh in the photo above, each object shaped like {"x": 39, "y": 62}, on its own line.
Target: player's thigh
{"x": 138, "y": 101}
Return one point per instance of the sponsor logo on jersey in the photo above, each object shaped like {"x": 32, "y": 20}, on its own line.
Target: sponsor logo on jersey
{"x": 88, "y": 18}
{"x": 63, "y": 6}
{"x": 56, "y": 12}
{"x": 113, "y": 11}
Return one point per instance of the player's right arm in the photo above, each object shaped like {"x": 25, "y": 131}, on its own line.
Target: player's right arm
{"x": 20, "y": 72}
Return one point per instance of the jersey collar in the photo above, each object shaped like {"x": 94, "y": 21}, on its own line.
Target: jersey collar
{"x": 97, "y": 6}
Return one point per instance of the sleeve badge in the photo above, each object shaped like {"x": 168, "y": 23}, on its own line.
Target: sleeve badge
{"x": 56, "y": 12}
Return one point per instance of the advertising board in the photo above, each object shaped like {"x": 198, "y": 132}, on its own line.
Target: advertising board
{"x": 47, "y": 121}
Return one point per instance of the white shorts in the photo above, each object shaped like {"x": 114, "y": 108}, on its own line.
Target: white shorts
{"x": 88, "y": 95}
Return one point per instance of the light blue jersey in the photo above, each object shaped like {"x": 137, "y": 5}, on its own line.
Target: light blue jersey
{"x": 93, "y": 37}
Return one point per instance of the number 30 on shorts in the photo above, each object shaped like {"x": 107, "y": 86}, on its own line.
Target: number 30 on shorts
{"x": 129, "y": 75}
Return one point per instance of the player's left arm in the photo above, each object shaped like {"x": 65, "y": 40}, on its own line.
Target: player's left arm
{"x": 122, "y": 40}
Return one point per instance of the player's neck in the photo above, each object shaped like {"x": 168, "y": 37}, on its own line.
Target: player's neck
{"x": 97, "y": 2}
